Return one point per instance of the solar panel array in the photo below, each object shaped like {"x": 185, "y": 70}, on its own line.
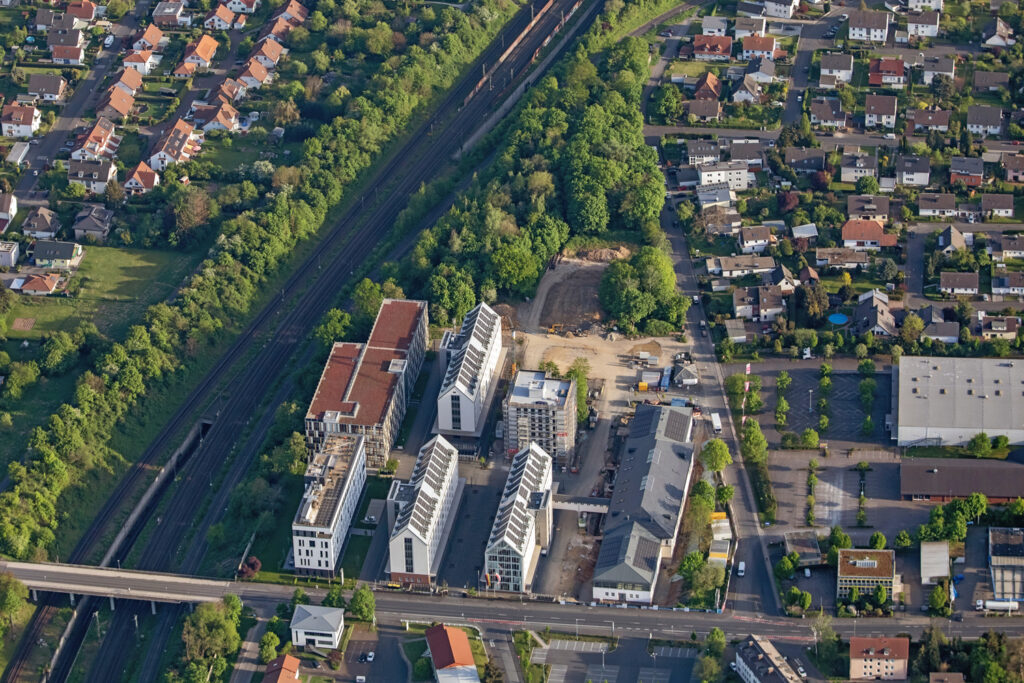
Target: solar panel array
{"x": 528, "y": 474}
{"x": 481, "y": 331}
{"x": 434, "y": 466}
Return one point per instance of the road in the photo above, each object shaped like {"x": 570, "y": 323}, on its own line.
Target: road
{"x": 279, "y": 334}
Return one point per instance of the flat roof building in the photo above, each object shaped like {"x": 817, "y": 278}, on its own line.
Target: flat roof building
{"x": 805, "y": 544}
{"x": 541, "y": 410}
{"x": 1006, "y": 562}
{"x": 864, "y": 570}
{"x": 651, "y": 482}
{"x": 364, "y": 387}
{"x": 934, "y": 562}
{"x": 334, "y": 482}
{"x": 758, "y": 661}
{"x": 944, "y": 479}
{"x": 947, "y": 401}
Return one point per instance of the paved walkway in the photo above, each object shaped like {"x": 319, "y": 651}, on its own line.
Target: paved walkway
{"x": 248, "y": 663}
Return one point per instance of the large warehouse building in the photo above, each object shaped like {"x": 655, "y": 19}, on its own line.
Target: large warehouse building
{"x": 941, "y": 480}
{"x": 946, "y": 401}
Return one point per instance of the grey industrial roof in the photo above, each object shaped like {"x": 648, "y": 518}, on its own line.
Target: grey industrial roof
{"x": 437, "y": 461}
{"x": 1006, "y": 553}
{"x": 533, "y": 387}
{"x": 934, "y": 560}
{"x": 481, "y": 331}
{"x": 629, "y": 554}
{"x": 960, "y": 477}
{"x": 972, "y": 394}
{"x": 527, "y": 475}
{"x": 317, "y": 618}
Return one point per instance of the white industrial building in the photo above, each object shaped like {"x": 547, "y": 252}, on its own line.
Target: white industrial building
{"x": 423, "y": 508}
{"x": 947, "y": 401}
{"x": 541, "y": 410}
{"x": 522, "y": 526}
{"x": 471, "y": 359}
{"x": 334, "y": 481}
{"x": 934, "y": 562}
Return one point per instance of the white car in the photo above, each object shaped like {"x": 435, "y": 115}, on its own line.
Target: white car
{"x": 109, "y": 41}
{"x": 844, "y": 17}
{"x": 370, "y": 656}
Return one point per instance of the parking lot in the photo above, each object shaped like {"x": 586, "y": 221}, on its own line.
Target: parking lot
{"x": 630, "y": 662}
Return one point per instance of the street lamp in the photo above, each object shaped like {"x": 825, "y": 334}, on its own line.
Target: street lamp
{"x": 577, "y": 629}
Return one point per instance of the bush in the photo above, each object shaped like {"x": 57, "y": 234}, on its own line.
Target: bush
{"x": 791, "y": 440}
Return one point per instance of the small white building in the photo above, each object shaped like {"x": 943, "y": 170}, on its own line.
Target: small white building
{"x": 934, "y": 562}
{"x": 780, "y": 9}
{"x": 8, "y": 254}
{"x": 317, "y": 626}
{"x": 924, "y": 24}
{"x": 8, "y": 208}
{"x": 522, "y": 524}
{"x": 471, "y": 357}
{"x": 334, "y": 481}
{"x": 734, "y": 173}
{"x": 18, "y": 121}
{"x": 922, "y": 5}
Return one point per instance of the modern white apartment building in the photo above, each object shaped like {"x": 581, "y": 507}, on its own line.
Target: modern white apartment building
{"x": 542, "y": 410}
{"x": 522, "y": 525}
{"x": 735, "y": 173}
{"x": 334, "y": 478}
{"x": 471, "y": 359}
{"x": 424, "y": 506}
{"x": 364, "y": 387}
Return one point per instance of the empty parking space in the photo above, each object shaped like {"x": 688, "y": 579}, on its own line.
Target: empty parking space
{"x": 578, "y": 646}
{"x": 557, "y": 673}
{"x": 676, "y": 652}
{"x": 659, "y": 675}
{"x": 602, "y": 674}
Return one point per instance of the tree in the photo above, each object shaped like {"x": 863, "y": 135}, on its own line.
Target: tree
{"x": 723, "y": 494}
{"x": 784, "y": 569}
{"x": 781, "y": 409}
{"x": 268, "y": 646}
{"x": 299, "y": 597}
{"x": 334, "y": 327}
{"x": 667, "y": 102}
{"x": 285, "y": 112}
{"x": 912, "y": 328}
{"x": 975, "y": 505}
{"x": 938, "y": 601}
{"x": 210, "y": 631}
{"x": 980, "y": 446}
{"x": 877, "y": 541}
{"x": 903, "y": 540}
{"x": 691, "y": 564}
{"x": 867, "y": 185}
{"x": 881, "y": 595}
{"x": 888, "y": 269}
{"x": 113, "y": 194}
{"x": 895, "y": 351}
{"x": 942, "y": 86}
{"x": 809, "y": 438}
{"x": 362, "y": 605}
{"x": 335, "y": 597}
{"x": 707, "y": 670}
{"x": 13, "y": 595}
{"x": 708, "y": 578}
{"x": 715, "y": 455}
{"x": 715, "y": 642}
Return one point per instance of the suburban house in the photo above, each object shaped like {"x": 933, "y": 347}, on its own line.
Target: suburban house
{"x": 856, "y": 164}
{"x": 703, "y": 152}
{"x": 781, "y": 9}
{"x": 276, "y": 30}
{"x": 827, "y": 112}
{"x": 37, "y": 285}
{"x": 755, "y": 239}
{"x": 807, "y": 232}
{"x": 229, "y": 91}
{"x": 991, "y": 81}
{"x": 19, "y": 121}
{"x": 704, "y": 110}
{"x": 8, "y": 209}
{"x": 243, "y": 6}
{"x": 1012, "y": 283}
{"x": 44, "y": 19}
{"x": 761, "y": 70}
{"x": 1004, "y": 247}
{"x": 141, "y": 179}
{"x": 760, "y": 304}
{"x": 835, "y": 68}
{"x": 866, "y": 235}
{"x": 201, "y": 52}
{"x": 759, "y": 46}
{"x": 116, "y": 104}
{"x": 179, "y": 144}
{"x": 958, "y": 284}
{"x": 151, "y": 39}
{"x": 708, "y": 87}
{"x": 928, "y": 119}
{"x": 748, "y": 26}
{"x": 889, "y": 72}
{"x": 735, "y": 173}
{"x": 268, "y": 53}
{"x": 938, "y": 66}
{"x": 913, "y": 170}
{"x": 780, "y": 277}
{"x": 1013, "y": 165}
{"x": 738, "y": 266}
{"x": 93, "y": 174}
{"x": 41, "y": 223}
{"x": 69, "y": 55}
{"x": 714, "y": 26}
{"x": 969, "y": 170}
{"x": 282, "y": 669}
{"x": 99, "y": 142}
{"x": 220, "y": 19}
{"x": 840, "y": 257}
{"x": 82, "y": 9}
{"x": 997, "y": 326}
{"x": 143, "y": 61}
{"x": 8, "y": 254}
{"x": 129, "y": 80}
{"x": 997, "y": 205}
{"x": 47, "y": 87}
{"x": 716, "y": 195}
{"x": 451, "y": 655}
{"x": 952, "y": 240}
{"x": 984, "y": 120}
{"x": 869, "y": 25}
{"x": 53, "y": 254}
{"x": 747, "y": 90}
{"x": 880, "y": 110}
{"x": 750, "y": 152}
{"x": 997, "y": 35}
{"x": 317, "y": 626}
{"x": 712, "y": 48}
{"x": 805, "y": 159}
{"x": 94, "y": 222}
{"x": 721, "y": 220}
{"x": 171, "y": 15}
{"x": 923, "y": 24}
{"x": 879, "y": 658}
{"x": 184, "y": 70}
{"x": 936, "y": 204}
{"x": 221, "y": 116}
{"x": 69, "y": 38}
{"x": 255, "y": 75}
{"x": 293, "y": 12}
{"x": 945, "y": 332}
{"x": 873, "y": 315}
{"x": 922, "y": 5}
{"x": 747, "y": 8}
{"x": 868, "y": 207}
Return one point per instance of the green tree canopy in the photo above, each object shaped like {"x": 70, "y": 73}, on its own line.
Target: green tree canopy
{"x": 715, "y": 455}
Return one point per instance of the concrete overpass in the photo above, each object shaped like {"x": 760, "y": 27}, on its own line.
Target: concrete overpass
{"x": 561, "y": 501}
{"x": 116, "y": 583}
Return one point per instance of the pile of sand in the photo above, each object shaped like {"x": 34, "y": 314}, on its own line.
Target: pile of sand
{"x": 604, "y": 255}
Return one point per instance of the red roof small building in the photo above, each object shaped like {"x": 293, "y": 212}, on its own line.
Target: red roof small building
{"x": 712, "y": 47}
{"x": 82, "y": 9}
{"x": 449, "y": 647}
{"x": 284, "y": 668}
{"x": 862, "y": 234}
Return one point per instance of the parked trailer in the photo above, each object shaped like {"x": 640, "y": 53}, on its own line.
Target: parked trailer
{"x": 997, "y": 605}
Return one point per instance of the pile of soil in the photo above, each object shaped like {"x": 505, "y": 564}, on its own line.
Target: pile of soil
{"x": 604, "y": 255}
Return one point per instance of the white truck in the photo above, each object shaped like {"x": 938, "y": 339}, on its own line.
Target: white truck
{"x": 716, "y": 423}
{"x": 997, "y": 605}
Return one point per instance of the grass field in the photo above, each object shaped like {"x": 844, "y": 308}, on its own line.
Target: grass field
{"x": 116, "y": 286}
{"x": 355, "y": 556}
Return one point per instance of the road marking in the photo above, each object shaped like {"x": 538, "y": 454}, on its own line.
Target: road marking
{"x": 558, "y": 672}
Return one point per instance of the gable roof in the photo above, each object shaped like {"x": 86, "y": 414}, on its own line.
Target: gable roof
{"x": 130, "y": 78}
{"x": 205, "y": 48}
{"x": 449, "y": 646}
{"x": 983, "y": 115}
{"x": 872, "y": 231}
{"x": 40, "y": 283}
{"x": 880, "y": 105}
{"x": 953, "y": 280}
{"x": 929, "y": 117}
{"x": 837, "y": 61}
{"x": 152, "y": 35}
{"x": 869, "y": 19}
{"x": 988, "y": 79}
{"x": 967, "y": 166}
{"x": 434, "y": 463}
{"x": 758, "y": 43}
{"x": 927, "y": 18}
{"x": 46, "y": 84}
{"x": 284, "y": 668}
{"x": 144, "y": 175}
{"x": 718, "y": 45}
{"x": 118, "y": 100}
{"x": 51, "y": 250}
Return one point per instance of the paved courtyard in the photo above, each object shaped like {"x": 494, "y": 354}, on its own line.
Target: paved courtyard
{"x": 630, "y": 662}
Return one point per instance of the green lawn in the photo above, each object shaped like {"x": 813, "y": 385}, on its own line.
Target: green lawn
{"x": 951, "y": 452}
{"x": 231, "y": 152}
{"x": 114, "y": 288}
{"x": 376, "y": 487}
{"x": 38, "y": 401}
{"x": 414, "y": 650}
{"x": 355, "y": 555}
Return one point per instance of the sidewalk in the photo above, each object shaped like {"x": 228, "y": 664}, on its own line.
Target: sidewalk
{"x": 248, "y": 663}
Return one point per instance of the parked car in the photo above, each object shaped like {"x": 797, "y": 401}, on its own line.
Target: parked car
{"x": 109, "y": 41}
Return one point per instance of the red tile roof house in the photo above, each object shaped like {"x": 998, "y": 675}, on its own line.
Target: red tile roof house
{"x": 284, "y": 668}
{"x": 760, "y": 46}
{"x": 40, "y": 285}
{"x": 141, "y": 179}
{"x": 969, "y": 170}
{"x": 82, "y": 9}
{"x": 712, "y": 48}
{"x": 151, "y": 39}
{"x": 130, "y": 81}
{"x": 220, "y": 19}
{"x": 67, "y": 54}
{"x": 449, "y": 648}
{"x": 201, "y": 52}
{"x": 268, "y": 53}
{"x": 887, "y": 72}
{"x": 866, "y": 235}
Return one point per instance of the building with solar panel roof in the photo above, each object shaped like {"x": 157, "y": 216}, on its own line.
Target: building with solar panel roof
{"x": 471, "y": 359}
{"x": 643, "y": 517}
{"x": 522, "y": 526}
{"x": 423, "y": 510}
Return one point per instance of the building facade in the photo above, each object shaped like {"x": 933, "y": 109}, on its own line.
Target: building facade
{"x": 471, "y": 361}
{"x": 541, "y": 410}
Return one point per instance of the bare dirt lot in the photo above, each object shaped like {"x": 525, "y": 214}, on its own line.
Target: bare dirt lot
{"x": 567, "y": 294}
{"x": 23, "y": 324}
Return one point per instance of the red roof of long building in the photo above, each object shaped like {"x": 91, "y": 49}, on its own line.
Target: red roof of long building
{"x": 449, "y": 647}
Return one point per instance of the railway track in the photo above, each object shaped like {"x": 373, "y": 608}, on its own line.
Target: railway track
{"x": 307, "y": 294}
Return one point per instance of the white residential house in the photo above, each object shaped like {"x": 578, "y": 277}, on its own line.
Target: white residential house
{"x": 334, "y": 481}
{"x": 471, "y": 359}
{"x": 923, "y": 24}
{"x": 8, "y": 208}
{"x": 143, "y": 61}
{"x": 18, "y": 121}
{"x": 922, "y": 5}
{"x": 880, "y": 110}
{"x": 780, "y": 9}
{"x": 734, "y": 173}
{"x": 522, "y": 524}
{"x": 243, "y": 6}
{"x": 755, "y": 239}
{"x": 869, "y": 25}
{"x": 93, "y": 174}
{"x": 984, "y": 120}
{"x": 714, "y": 26}
{"x": 938, "y": 66}
{"x": 913, "y": 170}
{"x": 8, "y": 254}
{"x": 423, "y": 509}
{"x": 317, "y": 626}
{"x": 748, "y": 26}
{"x": 936, "y": 204}
{"x": 838, "y": 66}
